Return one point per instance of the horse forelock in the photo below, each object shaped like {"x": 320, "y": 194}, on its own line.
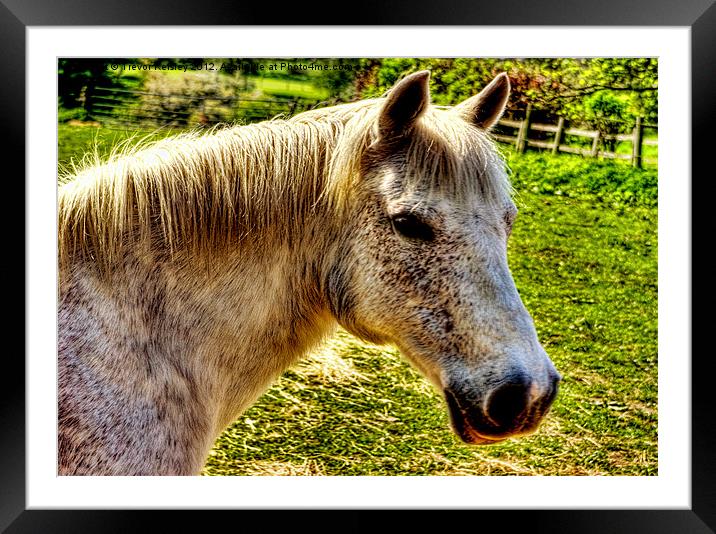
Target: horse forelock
{"x": 206, "y": 190}
{"x": 444, "y": 156}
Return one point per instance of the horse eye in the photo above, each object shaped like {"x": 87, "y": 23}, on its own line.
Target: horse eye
{"x": 410, "y": 226}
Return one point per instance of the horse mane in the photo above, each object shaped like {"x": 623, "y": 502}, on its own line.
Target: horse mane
{"x": 205, "y": 190}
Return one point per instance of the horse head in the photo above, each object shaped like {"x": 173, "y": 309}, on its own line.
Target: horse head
{"x": 424, "y": 261}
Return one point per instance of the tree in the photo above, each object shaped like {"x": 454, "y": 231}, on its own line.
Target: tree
{"x": 78, "y": 78}
{"x": 588, "y": 91}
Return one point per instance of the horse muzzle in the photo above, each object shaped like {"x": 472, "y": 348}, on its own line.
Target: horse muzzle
{"x": 514, "y": 407}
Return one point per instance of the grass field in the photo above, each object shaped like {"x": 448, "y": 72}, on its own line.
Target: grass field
{"x": 284, "y": 87}
{"x": 584, "y": 257}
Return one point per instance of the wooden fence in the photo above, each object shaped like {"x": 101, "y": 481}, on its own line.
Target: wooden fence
{"x": 521, "y": 140}
{"x": 142, "y": 108}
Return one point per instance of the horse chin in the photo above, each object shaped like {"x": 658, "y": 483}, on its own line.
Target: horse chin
{"x": 464, "y": 430}
{"x": 472, "y": 437}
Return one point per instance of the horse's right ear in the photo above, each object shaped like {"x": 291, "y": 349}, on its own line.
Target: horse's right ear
{"x": 406, "y": 101}
{"x": 485, "y": 109}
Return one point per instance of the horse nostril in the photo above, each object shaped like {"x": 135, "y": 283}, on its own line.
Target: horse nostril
{"x": 507, "y": 403}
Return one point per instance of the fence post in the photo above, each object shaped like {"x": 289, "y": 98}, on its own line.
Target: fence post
{"x": 202, "y": 113}
{"x": 595, "y": 144}
{"x": 558, "y": 135}
{"x": 636, "y": 143}
{"x": 524, "y": 130}
{"x": 293, "y": 107}
{"x": 85, "y": 98}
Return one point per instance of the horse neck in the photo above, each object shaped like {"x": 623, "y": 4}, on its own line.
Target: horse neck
{"x": 268, "y": 309}
{"x": 236, "y": 323}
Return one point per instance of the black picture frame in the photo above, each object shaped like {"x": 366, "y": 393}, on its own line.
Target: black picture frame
{"x": 698, "y": 15}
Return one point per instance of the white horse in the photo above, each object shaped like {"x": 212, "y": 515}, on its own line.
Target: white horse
{"x": 194, "y": 271}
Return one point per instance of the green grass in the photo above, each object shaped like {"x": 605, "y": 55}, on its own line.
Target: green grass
{"x": 584, "y": 257}
{"x": 284, "y": 87}
{"x": 75, "y": 142}
{"x": 129, "y": 79}
{"x": 648, "y": 151}
{"x": 613, "y": 182}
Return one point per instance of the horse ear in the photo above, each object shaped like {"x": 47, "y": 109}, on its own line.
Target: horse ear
{"x": 406, "y": 101}
{"x": 485, "y": 108}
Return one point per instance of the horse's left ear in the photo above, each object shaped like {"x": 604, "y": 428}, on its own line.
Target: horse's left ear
{"x": 485, "y": 108}
{"x": 406, "y": 101}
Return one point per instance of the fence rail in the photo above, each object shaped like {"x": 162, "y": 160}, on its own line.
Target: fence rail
{"x": 130, "y": 108}
{"x": 522, "y": 141}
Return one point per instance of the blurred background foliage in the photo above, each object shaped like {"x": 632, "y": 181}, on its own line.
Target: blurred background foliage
{"x": 598, "y": 93}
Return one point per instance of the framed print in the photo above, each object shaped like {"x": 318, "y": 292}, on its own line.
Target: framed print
{"x": 629, "y": 446}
